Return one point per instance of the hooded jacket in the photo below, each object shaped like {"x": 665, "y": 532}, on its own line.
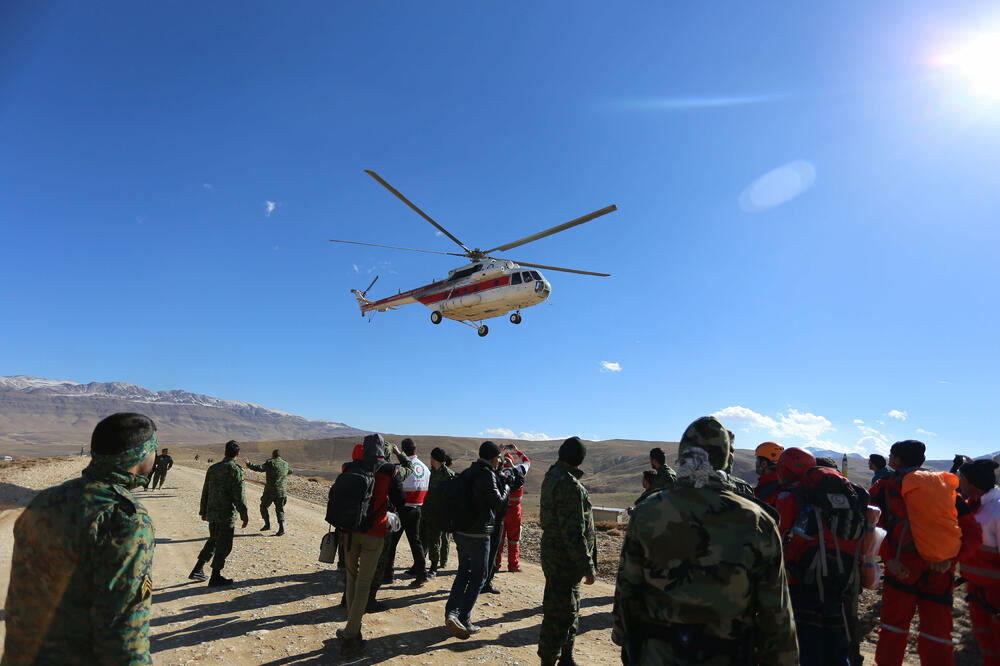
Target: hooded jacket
{"x": 388, "y": 484}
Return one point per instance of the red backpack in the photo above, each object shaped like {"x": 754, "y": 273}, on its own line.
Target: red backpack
{"x": 830, "y": 524}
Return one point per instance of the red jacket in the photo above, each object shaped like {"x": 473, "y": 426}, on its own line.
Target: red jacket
{"x": 768, "y": 487}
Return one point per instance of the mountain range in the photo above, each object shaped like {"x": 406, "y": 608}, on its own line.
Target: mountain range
{"x": 47, "y": 417}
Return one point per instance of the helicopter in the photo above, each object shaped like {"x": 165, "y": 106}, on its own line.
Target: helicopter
{"x": 487, "y": 287}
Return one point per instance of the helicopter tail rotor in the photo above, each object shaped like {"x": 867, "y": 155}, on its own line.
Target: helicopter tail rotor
{"x": 361, "y": 295}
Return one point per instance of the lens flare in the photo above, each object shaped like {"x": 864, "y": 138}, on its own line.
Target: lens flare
{"x": 978, "y": 62}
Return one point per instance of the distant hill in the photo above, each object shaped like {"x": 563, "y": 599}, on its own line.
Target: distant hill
{"x": 48, "y": 417}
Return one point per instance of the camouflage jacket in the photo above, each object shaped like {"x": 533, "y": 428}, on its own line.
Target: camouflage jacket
{"x": 703, "y": 555}
{"x": 438, "y": 475}
{"x": 163, "y": 463}
{"x": 81, "y": 575}
{"x": 222, "y": 496}
{"x": 569, "y": 543}
{"x": 277, "y": 471}
{"x": 665, "y": 478}
{"x": 741, "y": 487}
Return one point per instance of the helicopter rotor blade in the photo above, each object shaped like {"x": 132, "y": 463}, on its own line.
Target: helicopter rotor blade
{"x": 370, "y": 286}
{"x": 416, "y": 209}
{"x": 396, "y": 247}
{"x": 556, "y": 268}
{"x": 556, "y": 229}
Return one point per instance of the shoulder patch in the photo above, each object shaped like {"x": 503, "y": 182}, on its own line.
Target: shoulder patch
{"x": 146, "y": 590}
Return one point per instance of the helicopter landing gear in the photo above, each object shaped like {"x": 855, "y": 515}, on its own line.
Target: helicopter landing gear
{"x": 435, "y": 317}
{"x": 515, "y": 318}
{"x": 483, "y": 330}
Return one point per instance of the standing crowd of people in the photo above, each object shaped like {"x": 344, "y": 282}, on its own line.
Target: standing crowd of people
{"x": 712, "y": 570}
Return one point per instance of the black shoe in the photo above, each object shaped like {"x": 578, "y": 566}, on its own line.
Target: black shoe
{"x": 412, "y": 571}
{"x": 456, "y": 628}
{"x": 198, "y": 573}
{"x": 489, "y": 588}
{"x": 281, "y": 530}
{"x": 432, "y": 572}
{"x": 387, "y": 579}
{"x": 419, "y": 581}
{"x": 218, "y": 580}
{"x": 473, "y": 628}
{"x": 266, "y": 527}
{"x": 351, "y": 646}
{"x": 566, "y": 661}
{"x": 375, "y": 606}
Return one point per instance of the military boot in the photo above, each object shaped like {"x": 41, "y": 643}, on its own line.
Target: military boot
{"x": 267, "y": 525}
{"x": 281, "y": 528}
{"x": 198, "y": 573}
{"x": 218, "y": 580}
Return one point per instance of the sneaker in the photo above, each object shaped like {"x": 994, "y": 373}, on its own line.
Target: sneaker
{"x": 456, "y": 628}
{"x": 432, "y": 573}
{"x": 473, "y": 628}
{"x": 490, "y": 589}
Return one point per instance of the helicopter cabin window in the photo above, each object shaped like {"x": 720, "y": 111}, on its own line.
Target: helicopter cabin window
{"x": 535, "y": 275}
{"x": 515, "y": 278}
{"x": 476, "y": 288}
{"x": 465, "y": 272}
{"x": 527, "y": 276}
{"x": 496, "y": 283}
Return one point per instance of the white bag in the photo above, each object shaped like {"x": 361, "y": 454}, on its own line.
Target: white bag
{"x": 328, "y": 548}
{"x": 392, "y": 518}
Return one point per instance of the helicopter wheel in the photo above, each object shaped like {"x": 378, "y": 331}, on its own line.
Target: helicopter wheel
{"x": 435, "y": 317}
{"x": 515, "y": 318}
{"x": 483, "y": 330}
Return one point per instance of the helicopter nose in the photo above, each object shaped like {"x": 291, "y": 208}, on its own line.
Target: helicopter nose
{"x": 542, "y": 288}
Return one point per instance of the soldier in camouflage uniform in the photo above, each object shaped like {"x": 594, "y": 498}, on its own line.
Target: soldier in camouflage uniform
{"x": 222, "y": 497}
{"x": 436, "y": 540}
{"x": 664, "y": 475}
{"x": 275, "y": 489}
{"x": 568, "y": 550}
{"x": 701, "y": 578}
{"x": 80, "y": 578}
{"x": 162, "y": 463}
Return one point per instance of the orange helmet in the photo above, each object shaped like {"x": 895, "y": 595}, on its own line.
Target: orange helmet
{"x": 793, "y": 463}
{"x": 769, "y": 450}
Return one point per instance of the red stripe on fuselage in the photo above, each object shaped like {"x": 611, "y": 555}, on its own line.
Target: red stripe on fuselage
{"x": 485, "y": 285}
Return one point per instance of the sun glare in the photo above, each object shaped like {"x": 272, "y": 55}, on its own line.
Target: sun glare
{"x": 978, "y": 62}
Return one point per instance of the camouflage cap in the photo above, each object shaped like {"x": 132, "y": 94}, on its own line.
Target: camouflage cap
{"x": 709, "y": 434}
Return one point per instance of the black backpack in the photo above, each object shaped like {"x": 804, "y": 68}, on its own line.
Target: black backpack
{"x": 451, "y": 506}
{"x": 349, "y": 507}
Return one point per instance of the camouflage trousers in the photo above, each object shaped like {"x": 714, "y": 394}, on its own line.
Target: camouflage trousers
{"x": 220, "y": 543}
{"x": 560, "y": 619}
{"x": 266, "y": 499}
{"x": 435, "y": 544}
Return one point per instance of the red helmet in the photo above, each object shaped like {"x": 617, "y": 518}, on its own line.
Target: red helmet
{"x": 793, "y": 463}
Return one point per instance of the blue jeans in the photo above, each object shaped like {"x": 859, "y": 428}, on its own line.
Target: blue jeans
{"x": 473, "y": 565}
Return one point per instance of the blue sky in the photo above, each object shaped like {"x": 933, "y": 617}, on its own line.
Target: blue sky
{"x": 805, "y": 244}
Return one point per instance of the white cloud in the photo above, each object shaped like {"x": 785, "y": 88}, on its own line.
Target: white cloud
{"x": 356, "y": 269}
{"x": 944, "y": 381}
{"x": 858, "y": 422}
{"x": 795, "y": 427}
{"x": 871, "y": 441}
{"x": 507, "y": 433}
{"x": 208, "y": 186}
{"x": 269, "y": 207}
{"x": 611, "y": 366}
{"x": 897, "y": 414}
{"x": 921, "y": 431}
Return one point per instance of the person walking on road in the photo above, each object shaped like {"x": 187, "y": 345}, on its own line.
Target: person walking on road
{"x": 81, "y": 570}
{"x": 568, "y": 550}
{"x": 275, "y": 492}
{"x": 161, "y": 465}
{"x": 222, "y": 498}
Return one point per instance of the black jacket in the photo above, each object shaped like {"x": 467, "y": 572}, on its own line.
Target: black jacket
{"x": 490, "y": 494}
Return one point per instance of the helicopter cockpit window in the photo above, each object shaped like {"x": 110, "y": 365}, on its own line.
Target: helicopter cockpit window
{"x": 535, "y": 275}
{"x": 515, "y": 278}
{"x": 527, "y": 276}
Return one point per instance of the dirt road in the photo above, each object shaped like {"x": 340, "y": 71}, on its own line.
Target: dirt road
{"x": 284, "y": 609}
